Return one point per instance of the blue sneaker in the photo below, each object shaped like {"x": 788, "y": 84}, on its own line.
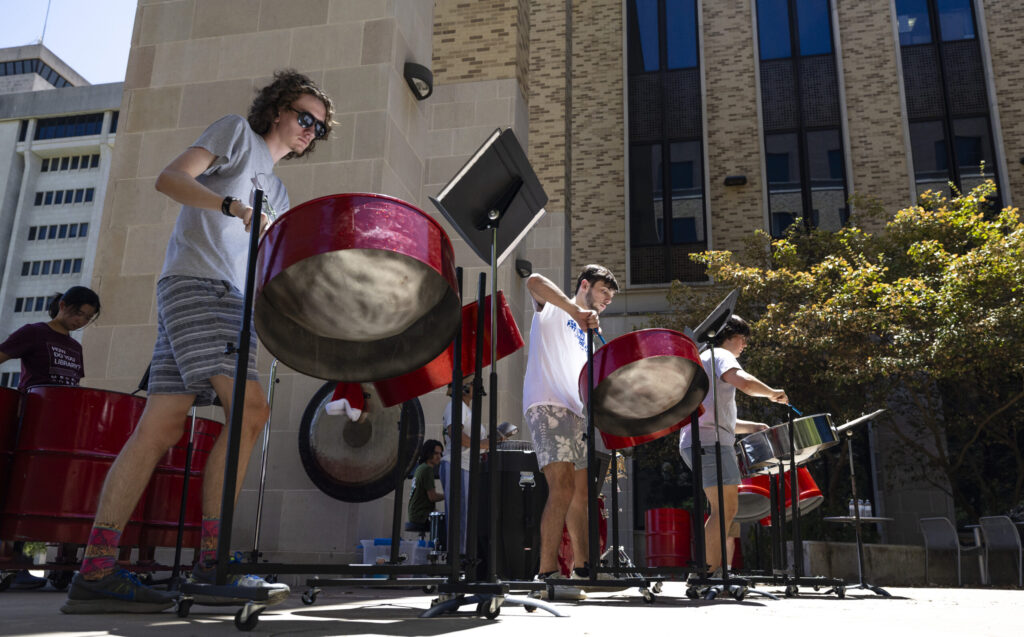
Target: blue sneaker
{"x": 207, "y": 573}
{"x": 119, "y": 592}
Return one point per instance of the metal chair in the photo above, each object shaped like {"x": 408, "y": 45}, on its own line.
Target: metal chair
{"x": 1000, "y": 534}
{"x": 940, "y": 535}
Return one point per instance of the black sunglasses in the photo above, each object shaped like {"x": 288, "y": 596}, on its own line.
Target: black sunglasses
{"x": 306, "y": 120}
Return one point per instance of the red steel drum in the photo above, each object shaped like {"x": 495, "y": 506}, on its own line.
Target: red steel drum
{"x": 69, "y": 438}
{"x": 9, "y": 401}
{"x": 646, "y": 384}
{"x": 163, "y": 495}
{"x": 438, "y": 372}
{"x": 356, "y": 287}
{"x": 668, "y": 537}
{"x": 755, "y": 502}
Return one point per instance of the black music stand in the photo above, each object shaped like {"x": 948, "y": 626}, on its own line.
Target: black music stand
{"x": 492, "y": 203}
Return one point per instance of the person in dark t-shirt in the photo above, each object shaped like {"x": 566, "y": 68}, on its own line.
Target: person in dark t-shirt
{"x": 423, "y": 495}
{"x": 48, "y": 353}
{"x": 49, "y": 356}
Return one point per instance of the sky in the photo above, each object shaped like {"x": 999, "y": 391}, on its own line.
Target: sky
{"x": 91, "y": 36}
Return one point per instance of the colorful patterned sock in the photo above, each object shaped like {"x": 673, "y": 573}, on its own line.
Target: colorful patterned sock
{"x": 100, "y": 557}
{"x": 208, "y": 543}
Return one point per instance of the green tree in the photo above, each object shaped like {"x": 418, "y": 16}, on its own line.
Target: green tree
{"x": 923, "y": 317}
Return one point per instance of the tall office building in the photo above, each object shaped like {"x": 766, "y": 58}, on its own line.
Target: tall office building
{"x": 56, "y": 136}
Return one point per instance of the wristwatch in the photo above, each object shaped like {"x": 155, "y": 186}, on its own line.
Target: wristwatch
{"x": 225, "y": 206}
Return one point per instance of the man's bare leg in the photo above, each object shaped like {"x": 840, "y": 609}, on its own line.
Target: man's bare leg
{"x": 576, "y": 520}
{"x": 712, "y": 535}
{"x": 560, "y": 479}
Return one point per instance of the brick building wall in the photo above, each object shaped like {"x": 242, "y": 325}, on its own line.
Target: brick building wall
{"x": 879, "y": 154}
{"x": 598, "y": 136}
{"x": 1004, "y": 21}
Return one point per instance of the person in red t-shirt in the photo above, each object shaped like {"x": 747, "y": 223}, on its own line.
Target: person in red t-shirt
{"x": 49, "y": 356}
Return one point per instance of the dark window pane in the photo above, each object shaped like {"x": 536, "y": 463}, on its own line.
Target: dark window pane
{"x": 73, "y": 231}
{"x": 67, "y": 266}
{"x": 77, "y": 266}
{"x": 912, "y": 18}
{"x": 815, "y": 27}
{"x": 39, "y": 199}
{"x": 79, "y": 195}
{"x": 687, "y": 192}
{"x": 973, "y": 149}
{"x": 39, "y": 303}
{"x": 931, "y": 158}
{"x": 95, "y": 161}
{"x": 74, "y": 162}
{"x": 643, "y": 49}
{"x": 46, "y": 267}
{"x": 68, "y": 194}
{"x": 681, "y": 33}
{"x": 773, "y": 29}
{"x": 25, "y": 265}
{"x": 63, "y": 232}
{"x": 59, "y": 197}
{"x": 49, "y": 197}
{"x": 645, "y": 196}
{"x": 828, "y": 191}
{"x": 52, "y": 232}
{"x": 18, "y": 304}
{"x": 113, "y": 121}
{"x": 45, "y": 166}
{"x": 32, "y": 233}
{"x": 955, "y": 19}
{"x": 785, "y": 199}
{"x": 64, "y": 163}
{"x": 88, "y": 194}
{"x": 83, "y": 229}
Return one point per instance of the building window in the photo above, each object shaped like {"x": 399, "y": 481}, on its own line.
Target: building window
{"x": 83, "y": 229}
{"x": 69, "y": 126}
{"x": 113, "y": 121}
{"x": 32, "y": 233}
{"x": 667, "y": 210}
{"x": 803, "y": 148}
{"x": 944, "y": 82}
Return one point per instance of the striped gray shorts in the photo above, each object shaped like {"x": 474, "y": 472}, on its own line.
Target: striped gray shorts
{"x": 196, "y": 319}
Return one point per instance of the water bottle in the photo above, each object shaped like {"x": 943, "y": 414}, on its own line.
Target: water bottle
{"x": 851, "y": 507}
{"x": 867, "y": 508}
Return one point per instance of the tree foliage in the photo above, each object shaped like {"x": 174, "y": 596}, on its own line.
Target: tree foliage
{"x": 923, "y": 317}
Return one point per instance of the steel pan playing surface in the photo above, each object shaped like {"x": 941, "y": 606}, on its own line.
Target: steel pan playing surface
{"x": 356, "y": 287}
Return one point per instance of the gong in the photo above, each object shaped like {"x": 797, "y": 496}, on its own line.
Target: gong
{"x": 357, "y": 462}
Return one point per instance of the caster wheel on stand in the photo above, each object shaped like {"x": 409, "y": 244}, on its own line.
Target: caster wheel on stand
{"x": 309, "y": 597}
{"x": 248, "y": 616}
{"x": 691, "y": 592}
{"x": 738, "y": 592}
{"x": 841, "y": 592}
{"x": 649, "y": 597}
{"x": 184, "y": 607}
{"x": 792, "y": 590}
{"x": 60, "y": 580}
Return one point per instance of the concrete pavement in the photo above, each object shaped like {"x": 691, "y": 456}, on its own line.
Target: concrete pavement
{"x": 911, "y": 611}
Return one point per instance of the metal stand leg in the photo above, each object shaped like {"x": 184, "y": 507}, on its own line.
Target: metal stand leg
{"x": 861, "y": 582}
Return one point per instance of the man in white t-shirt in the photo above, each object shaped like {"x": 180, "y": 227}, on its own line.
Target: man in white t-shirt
{"x": 554, "y": 410}
{"x": 723, "y": 427}
{"x": 446, "y": 423}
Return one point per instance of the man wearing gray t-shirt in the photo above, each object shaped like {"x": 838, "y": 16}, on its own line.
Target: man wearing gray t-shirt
{"x": 199, "y": 303}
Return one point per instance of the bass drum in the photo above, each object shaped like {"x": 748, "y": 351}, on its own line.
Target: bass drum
{"x": 356, "y": 462}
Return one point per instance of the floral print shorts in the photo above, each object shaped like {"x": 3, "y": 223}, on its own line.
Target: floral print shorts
{"x": 557, "y": 435}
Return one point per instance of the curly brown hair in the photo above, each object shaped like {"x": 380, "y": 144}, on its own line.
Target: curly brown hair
{"x": 288, "y": 86}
